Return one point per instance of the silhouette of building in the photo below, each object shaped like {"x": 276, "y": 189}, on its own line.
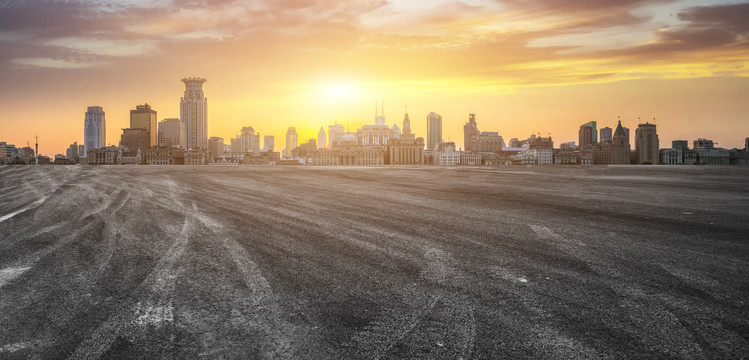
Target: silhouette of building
{"x": 269, "y": 143}
{"x": 335, "y": 135}
{"x": 406, "y": 149}
{"x": 646, "y": 144}
{"x": 480, "y": 141}
{"x": 172, "y": 132}
{"x": 321, "y": 138}
{"x": 605, "y": 134}
{"x": 613, "y": 151}
{"x": 194, "y": 112}
{"x": 216, "y": 146}
{"x": 248, "y": 140}
{"x": 708, "y": 154}
{"x": 587, "y": 134}
{"x": 144, "y": 117}
{"x": 135, "y": 139}
{"x": 291, "y": 141}
{"x": 377, "y": 135}
{"x": 680, "y": 144}
{"x": 434, "y": 131}
{"x": 94, "y": 128}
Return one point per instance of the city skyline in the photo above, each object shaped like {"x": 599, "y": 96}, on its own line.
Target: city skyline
{"x": 678, "y": 62}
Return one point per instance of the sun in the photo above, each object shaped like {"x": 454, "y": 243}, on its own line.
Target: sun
{"x": 339, "y": 91}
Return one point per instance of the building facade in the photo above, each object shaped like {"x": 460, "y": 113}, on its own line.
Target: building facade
{"x": 194, "y": 112}
{"x": 646, "y": 144}
{"x": 615, "y": 151}
{"x": 587, "y": 134}
{"x": 269, "y": 143}
{"x": 335, "y": 135}
{"x": 135, "y": 139}
{"x": 172, "y": 132}
{"x": 94, "y": 128}
{"x": 216, "y": 146}
{"x": 321, "y": 138}
{"x": 434, "y": 131}
{"x": 406, "y": 149}
{"x": 291, "y": 141}
{"x": 144, "y": 117}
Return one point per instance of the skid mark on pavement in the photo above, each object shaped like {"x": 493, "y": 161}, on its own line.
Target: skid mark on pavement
{"x": 8, "y": 274}
{"x": 443, "y": 326}
{"x": 33, "y": 205}
{"x": 547, "y": 234}
{"x": 130, "y": 319}
{"x": 265, "y": 311}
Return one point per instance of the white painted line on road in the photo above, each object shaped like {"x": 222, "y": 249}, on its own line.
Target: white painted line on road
{"x": 8, "y": 274}
{"x": 33, "y": 205}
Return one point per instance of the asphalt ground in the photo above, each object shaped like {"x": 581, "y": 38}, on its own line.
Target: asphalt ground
{"x": 367, "y": 263}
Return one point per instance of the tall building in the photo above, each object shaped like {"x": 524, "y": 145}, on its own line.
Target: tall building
{"x": 606, "y": 134}
{"x": 613, "y": 151}
{"x": 216, "y": 146}
{"x": 321, "y": 138}
{"x": 172, "y": 131}
{"x": 72, "y": 152}
{"x": 646, "y": 144}
{"x": 746, "y": 144}
{"x": 249, "y": 141}
{"x": 135, "y": 139}
{"x": 291, "y": 141}
{"x": 81, "y": 151}
{"x": 335, "y": 135}
{"x": 144, "y": 117}
{"x": 588, "y": 134}
{"x": 434, "y": 131}
{"x": 470, "y": 134}
{"x": 407, "y": 149}
{"x": 269, "y": 143}
{"x": 193, "y": 111}
{"x": 94, "y": 129}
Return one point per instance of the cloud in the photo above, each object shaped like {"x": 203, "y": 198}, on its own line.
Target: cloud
{"x": 50, "y": 63}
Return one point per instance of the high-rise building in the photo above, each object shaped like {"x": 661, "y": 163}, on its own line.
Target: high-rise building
{"x": 407, "y": 149}
{"x": 216, "y": 146}
{"x": 135, "y": 139}
{"x": 434, "y": 131}
{"x": 235, "y": 145}
{"x": 250, "y": 142}
{"x": 335, "y": 135}
{"x": 144, "y": 117}
{"x": 72, "y": 152}
{"x": 321, "y": 138}
{"x": 269, "y": 143}
{"x": 291, "y": 141}
{"x": 194, "y": 112}
{"x": 613, "y": 151}
{"x": 746, "y": 144}
{"x": 606, "y": 133}
{"x": 646, "y": 144}
{"x": 94, "y": 129}
{"x": 81, "y": 151}
{"x": 470, "y": 134}
{"x": 172, "y": 131}
{"x": 588, "y": 134}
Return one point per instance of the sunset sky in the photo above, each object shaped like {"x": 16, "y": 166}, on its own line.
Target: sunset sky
{"x": 523, "y": 67}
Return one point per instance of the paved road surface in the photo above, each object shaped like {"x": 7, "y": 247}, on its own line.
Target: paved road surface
{"x": 374, "y": 263}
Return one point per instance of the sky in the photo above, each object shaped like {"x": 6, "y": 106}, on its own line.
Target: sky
{"x": 523, "y": 67}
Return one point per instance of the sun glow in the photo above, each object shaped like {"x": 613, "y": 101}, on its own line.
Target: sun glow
{"x": 340, "y": 91}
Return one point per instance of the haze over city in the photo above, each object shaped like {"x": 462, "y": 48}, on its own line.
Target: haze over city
{"x": 541, "y": 67}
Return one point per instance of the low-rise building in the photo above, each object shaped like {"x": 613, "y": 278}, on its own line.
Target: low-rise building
{"x": 470, "y": 158}
{"x": 673, "y": 156}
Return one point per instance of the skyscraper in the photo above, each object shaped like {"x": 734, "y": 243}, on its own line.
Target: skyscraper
{"x": 335, "y": 135}
{"x": 94, "y": 129}
{"x": 606, "y": 133}
{"x": 172, "y": 131}
{"x": 587, "y": 134}
{"x": 434, "y": 131}
{"x": 470, "y": 133}
{"x": 321, "y": 138}
{"x": 646, "y": 144}
{"x": 291, "y": 141}
{"x": 216, "y": 145}
{"x": 194, "y": 112}
{"x": 250, "y": 142}
{"x": 143, "y": 117}
{"x": 269, "y": 143}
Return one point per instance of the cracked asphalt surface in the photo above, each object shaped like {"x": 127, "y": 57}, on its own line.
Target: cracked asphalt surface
{"x": 374, "y": 263}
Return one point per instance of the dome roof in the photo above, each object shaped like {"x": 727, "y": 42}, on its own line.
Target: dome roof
{"x": 348, "y": 137}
